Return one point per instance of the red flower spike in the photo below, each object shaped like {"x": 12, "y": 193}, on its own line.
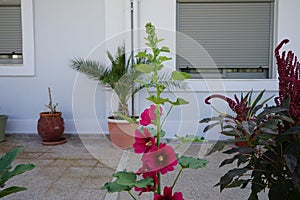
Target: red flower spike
{"x": 288, "y": 68}
{"x": 240, "y": 107}
{"x": 163, "y": 159}
{"x": 168, "y": 195}
{"x": 143, "y": 142}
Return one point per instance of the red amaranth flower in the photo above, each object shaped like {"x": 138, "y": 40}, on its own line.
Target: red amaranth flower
{"x": 143, "y": 142}
{"x": 148, "y": 115}
{"x": 168, "y": 195}
{"x": 288, "y": 68}
{"x": 240, "y": 107}
{"x": 163, "y": 159}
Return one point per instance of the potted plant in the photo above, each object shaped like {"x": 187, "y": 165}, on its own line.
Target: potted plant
{"x": 271, "y": 160}
{"x": 3, "y": 120}
{"x": 51, "y": 124}
{"x": 119, "y": 76}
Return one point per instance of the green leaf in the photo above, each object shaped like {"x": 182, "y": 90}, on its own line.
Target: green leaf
{"x": 190, "y": 138}
{"x": 291, "y": 162}
{"x": 125, "y": 178}
{"x": 125, "y": 181}
{"x": 11, "y": 190}
{"x": 165, "y": 49}
{"x": 158, "y": 100}
{"x": 293, "y": 131}
{"x": 219, "y": 146}
{"x": 7, "y": 159}
{"x": 145, "y": 183}
{"x": 131, "y": 120}
{"x": 144, "y": 68}
{"x": 229, "y": 160}
{"x": 230, "y": 133}
{"x": 238, "y": 183}
{"x": 242, "y": 150}
{"x": 19, "y": 169}
{"x": 115, "y": 187}
{"x": 191, "y": 162}
{"x": 179, "y": 101}
{"x": 164, "y": 58}
{"x": 180, "y": 76}
{"x": 141, "y": 54}
{"x": 226, "y": 180}
{"x": 208, "y": 127}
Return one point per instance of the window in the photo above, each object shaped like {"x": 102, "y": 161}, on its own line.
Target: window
{"x": 16, "y": 38}
{"x": 10, "y": 32}
{"x": 237, "y": 35}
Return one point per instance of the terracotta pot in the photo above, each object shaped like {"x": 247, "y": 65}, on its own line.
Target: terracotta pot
{"x": 51, "y": 127}
{"x": 121, "y": 133}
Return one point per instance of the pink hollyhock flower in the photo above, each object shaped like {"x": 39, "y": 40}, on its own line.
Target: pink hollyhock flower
{"x": 143, "y": 142}
{"x": 163, "y": 159}
{"x": 152, "y": 175}
{"x": 168, "y": 195}
{"x": 148, "y": 115}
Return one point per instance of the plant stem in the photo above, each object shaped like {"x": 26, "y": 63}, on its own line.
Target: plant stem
{"x": 176, "y": 179}
{"x": 50, "y": 100}
{"x": 164, "y": 120}
{"x": 131, "y": 195}
{"x": 159, "y": 183}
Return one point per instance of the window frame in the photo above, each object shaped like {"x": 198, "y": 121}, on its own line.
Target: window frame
{"x": 27, "y": 68}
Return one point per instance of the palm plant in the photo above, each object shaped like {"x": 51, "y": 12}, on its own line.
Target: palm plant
{"x": 119, "y": 76}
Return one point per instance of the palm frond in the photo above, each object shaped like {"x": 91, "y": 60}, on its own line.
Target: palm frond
{"x": 91, "y": 68}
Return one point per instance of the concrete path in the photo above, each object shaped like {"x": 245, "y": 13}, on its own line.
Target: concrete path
{"x": 77, "y": 169}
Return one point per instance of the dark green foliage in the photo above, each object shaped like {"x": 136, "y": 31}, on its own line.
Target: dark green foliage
{"x": 7, "y": 172}
{"x": 271, "y": 159}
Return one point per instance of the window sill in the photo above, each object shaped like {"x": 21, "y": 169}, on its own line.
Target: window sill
{"x": 231, "y": 85}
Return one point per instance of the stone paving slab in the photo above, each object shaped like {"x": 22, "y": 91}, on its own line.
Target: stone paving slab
{"x": 77, "y": 169}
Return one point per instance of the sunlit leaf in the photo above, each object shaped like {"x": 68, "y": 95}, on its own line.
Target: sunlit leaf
{"x": 165, "y": 49}
{"x": 144, "y": 68}
{"x": 176, "y": 75}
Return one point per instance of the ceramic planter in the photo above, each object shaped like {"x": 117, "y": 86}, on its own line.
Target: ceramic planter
{"x": 50, "y": 128}
{"x": 121, "y": 133}
{"x": 3, "y": 120}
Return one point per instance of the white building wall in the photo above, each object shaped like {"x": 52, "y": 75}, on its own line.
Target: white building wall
{"x": 67, "y": 29}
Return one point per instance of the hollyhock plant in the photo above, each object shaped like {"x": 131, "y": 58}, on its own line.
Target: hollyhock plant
{"x": 158, "y": 158}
